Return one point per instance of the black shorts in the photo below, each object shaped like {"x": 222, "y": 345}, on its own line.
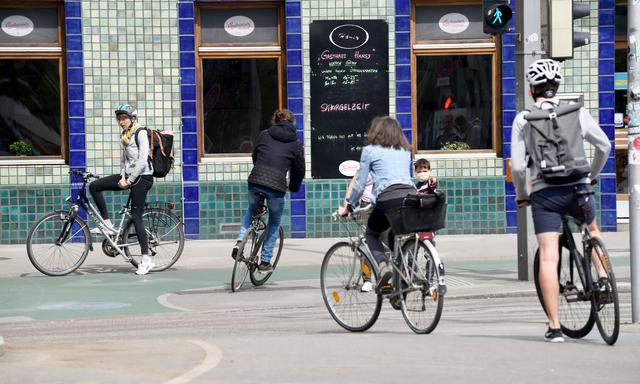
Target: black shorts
{"x": 550, "y": 204}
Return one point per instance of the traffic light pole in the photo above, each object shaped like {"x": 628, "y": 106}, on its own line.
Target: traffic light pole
{"x": 633, "y": 111}
{"x": 528, "y": 50}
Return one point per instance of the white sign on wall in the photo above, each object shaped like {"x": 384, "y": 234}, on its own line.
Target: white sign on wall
{"x": 17, "y": 25}
{"x": 454, "y": 23}
{"x": 239, "y": 26}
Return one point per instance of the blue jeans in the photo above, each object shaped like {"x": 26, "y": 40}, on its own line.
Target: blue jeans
{"x": 275, "y": 202}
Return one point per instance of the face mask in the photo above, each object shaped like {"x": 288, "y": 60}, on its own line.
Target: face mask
{"x": 423, "y": 176}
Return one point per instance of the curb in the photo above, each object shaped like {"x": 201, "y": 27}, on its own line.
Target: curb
{"x": 1, "y": 346}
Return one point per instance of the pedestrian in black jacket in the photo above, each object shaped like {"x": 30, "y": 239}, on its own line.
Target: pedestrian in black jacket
{"x": 277, "y": 152}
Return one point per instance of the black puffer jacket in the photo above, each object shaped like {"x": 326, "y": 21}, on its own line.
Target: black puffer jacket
{"x": 278, "y": 151}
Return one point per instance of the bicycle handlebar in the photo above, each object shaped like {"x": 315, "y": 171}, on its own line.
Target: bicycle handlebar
{"x": 85, "y": 175}
{"x": 355, "y": 211}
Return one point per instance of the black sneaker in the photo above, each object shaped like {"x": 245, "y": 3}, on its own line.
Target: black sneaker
{"x": 604, "y": 295}
{"x": 264, "y": 267}
{"x": 554, "y": 335}
{"x": 235, "y": 250}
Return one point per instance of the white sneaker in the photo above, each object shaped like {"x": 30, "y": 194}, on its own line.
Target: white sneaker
{"x": 366, "y": 287}
{"x": 108, "y": 230}
{"x": 145, "y": 266}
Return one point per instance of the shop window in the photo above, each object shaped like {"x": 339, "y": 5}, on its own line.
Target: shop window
{"x": 241, "y": 82}
{"x": 455, "y": 74}
{"x": 31, "y": 91}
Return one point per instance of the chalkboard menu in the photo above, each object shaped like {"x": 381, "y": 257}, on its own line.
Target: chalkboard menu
{"x": 349, "y": 87}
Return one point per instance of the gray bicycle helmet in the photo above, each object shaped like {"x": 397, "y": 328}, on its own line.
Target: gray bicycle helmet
{"x": 542, "y": 71}
{"x": 126, "y": 109}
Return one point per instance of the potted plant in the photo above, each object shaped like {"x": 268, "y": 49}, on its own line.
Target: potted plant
{"x": 455, "y": 146}
{"x": 20, "y": 148}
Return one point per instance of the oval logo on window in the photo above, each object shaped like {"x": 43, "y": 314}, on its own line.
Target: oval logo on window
{"x": 454, "y": 23}
{"x": 17, "y": 25}
{"x": 349, "y": 36}
{"x": 239, "y": 26}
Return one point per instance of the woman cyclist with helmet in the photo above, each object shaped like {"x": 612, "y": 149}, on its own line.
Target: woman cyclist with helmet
{"x": 135, "y": 174}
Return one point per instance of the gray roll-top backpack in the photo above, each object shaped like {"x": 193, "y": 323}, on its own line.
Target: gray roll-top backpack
{"x": 554, "y": 142}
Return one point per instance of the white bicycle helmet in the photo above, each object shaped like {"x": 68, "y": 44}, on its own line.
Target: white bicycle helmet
{"x": 542, "y": 71}
{"x": 126, "y": 109}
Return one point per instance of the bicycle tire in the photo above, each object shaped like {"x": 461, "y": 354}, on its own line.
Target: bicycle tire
{"x": 47, "y": 256}
{"x": 415, "y": 303}
{"x": 606, "y": 307}
{"x": 240, "y": 266}
{"x": 574, "y": 305}
{"x": 352, "y": 309}
{"x": 166, "y": 238}
{"x": 258, "y": 278}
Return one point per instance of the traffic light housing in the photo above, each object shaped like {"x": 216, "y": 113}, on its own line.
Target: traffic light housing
{"x": 563, "y": 37}
{"x": 496, "y": 16}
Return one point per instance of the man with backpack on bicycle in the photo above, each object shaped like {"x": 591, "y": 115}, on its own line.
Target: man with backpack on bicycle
{"x": 549, "y": 141}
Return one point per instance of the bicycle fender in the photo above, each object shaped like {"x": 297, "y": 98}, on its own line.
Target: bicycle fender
{"x": 439, "y": 264}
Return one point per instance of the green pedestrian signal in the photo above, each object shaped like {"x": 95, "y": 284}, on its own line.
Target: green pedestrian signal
{"x": 497, "y": 15}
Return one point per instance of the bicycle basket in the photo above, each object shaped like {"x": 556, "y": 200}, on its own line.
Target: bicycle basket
{"x": 419, "y": 213}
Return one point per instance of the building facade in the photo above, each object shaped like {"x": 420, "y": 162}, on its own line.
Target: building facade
{"x": 214, "y": 71}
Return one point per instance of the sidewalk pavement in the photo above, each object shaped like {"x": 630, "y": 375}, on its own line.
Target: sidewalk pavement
{"x": 476, "y": 265}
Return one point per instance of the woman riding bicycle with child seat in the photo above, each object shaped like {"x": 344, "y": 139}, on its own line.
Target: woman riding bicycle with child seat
{"x": 387, "y": 157}
{"x": 277, "y": 152}
{"x": 136, "y": 174}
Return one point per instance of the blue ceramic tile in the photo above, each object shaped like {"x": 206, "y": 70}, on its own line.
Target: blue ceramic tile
{"x": 606, "y": 116}
{"x": 408, "y": 135}
{"x": 608, "y": 217}
{"x": 75, "y": 76}
{"x": 187, "y": 43}
{"x": 403, "y": 39}
{"x": 188, "y": 92}
{"x": 300, "y": 135}
{"x": 508, "y": 70}
{"x": 512, "y": 230}
{"x": 298, "y": 207}
{"x": 294, "y": 74}
{"x": 191, "y": 209}
{"x": 189, "y": 156}
{"x": 294, "y": 57}
{"x": 606, "y": 50}
{"x": 512, "y": 217}
{"x": 404, "y": 119}
{"x": 189, "y": 172}
{"x": 76, "y": 125}
{"x": 402, "y": 7}
{"x": 295, "y": 105}
{"x": 607, "y": 185}
{"x": 189, "y": 141}
{"x": 403, "y": 73}
{"x": 294, "y": 90}
{"x": 74, "y": 42}
{"x": 606, "y": 34}
{"x": 76, "y": 108}
{"x": 191, "y": 228}
{"x": 292, "y": 9}
{"x": 403, "y": 104}
{"x": 191, "y": 193}
{"x": 185, "y": 10}
{"x": 609, "y": 166}
{"x": 186, "y": 27}
{"x": 509, "y": 189}
{"x": 301, "y": 193}
{"x": 608, "y": 201}
{"x": 188, "y": 108}
{"x": 506, "y": 147}
{"x": 298, "y": 224}
{"x": 76, "y": 92}
{"x": 508, "y": 54}
{"x": 403, "y": 23}
{"x": 508, "y": 39}
{"x": 606, "y": 17}
{"x": 72, "y": 9}
{"x": 508, "y": 116}
{"x": 298, "y": 235}
{"x": 187, "y": 60}
{"x": 294, "y": 25}
{"x": 606, "y": 99}
{"x": 77, "y": 142}
{"x": 508, "y": 86}
{"x": 189, "y": 125}
{"x": 77, "y": 159}
{"x": 606, "y": 66}
{"x": 510, "y": 204}
{"x": 294, "y": 41}
{"x": 506, "y": 132}
{"x": 509, "y": 102}
{"x": 74, "y": 59}
{"x": 606, "y": 4}
{"x": 403, "y": 89}
{"x": 74, "y": 26}
{"x": 403, "y": 56}
{"x": 188, "y": 76}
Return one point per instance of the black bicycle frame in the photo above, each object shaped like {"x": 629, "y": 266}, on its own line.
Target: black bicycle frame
{"x": 581, "y": 261}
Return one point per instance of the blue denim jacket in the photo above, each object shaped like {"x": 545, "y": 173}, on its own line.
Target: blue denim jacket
{"x": 387, "y": 166}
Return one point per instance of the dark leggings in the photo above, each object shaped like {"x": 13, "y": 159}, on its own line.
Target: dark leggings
{"x": 139, "y": 191}
{"x": 377, "y": 224}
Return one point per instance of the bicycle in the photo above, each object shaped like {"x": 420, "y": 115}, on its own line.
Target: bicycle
{"x": 585, "y": 298}
{"x": 254, "y": 237}
{"x": 418, "y": 283}
{"x": 59, "y": 242}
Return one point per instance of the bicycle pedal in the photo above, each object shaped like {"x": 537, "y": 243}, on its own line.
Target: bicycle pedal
{"x": 387, "y": 289}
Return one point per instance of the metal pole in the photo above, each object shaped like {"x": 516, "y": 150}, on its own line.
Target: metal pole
{"x": 633, "y": 111}
{"x": 528, "y": 49}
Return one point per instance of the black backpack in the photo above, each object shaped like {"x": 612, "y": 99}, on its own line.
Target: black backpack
{"x": 554, "y": 142}
{"x": 160, "y": 151}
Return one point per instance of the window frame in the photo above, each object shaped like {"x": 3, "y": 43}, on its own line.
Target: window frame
{"x": 231, "y": 51}
{"x": 488, "y": 46}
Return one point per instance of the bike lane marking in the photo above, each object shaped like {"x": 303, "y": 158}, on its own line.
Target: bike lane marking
{"x": 213, "y": 355}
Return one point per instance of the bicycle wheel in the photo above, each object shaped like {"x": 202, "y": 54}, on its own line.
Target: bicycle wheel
{"x": 341, "y": 277}
{"x": 165, "y": 234}
{"x": 240, "y": 266}
{"x": 422, "y": 303}
{"x": 58, "y": 245}
{"x": 574, "y": 306}
{"x": 258, "y": 278}
{"x": 606, "y": 307}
